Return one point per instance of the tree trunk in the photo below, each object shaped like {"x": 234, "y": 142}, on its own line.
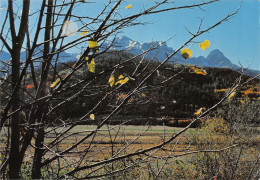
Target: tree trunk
{"x": 14, "y": 165}
{"x": 37, "y": 162}
{"x": 36, "y": 170}
{"x": 17, "y": 42}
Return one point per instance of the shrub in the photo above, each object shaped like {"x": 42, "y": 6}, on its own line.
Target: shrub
{"x": 232, "y": 163}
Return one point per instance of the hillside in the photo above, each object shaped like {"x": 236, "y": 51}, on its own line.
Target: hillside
{"x": 175, "y": 90}
{"x": 178, "y": 97}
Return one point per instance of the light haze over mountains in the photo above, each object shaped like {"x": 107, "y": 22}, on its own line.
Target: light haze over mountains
{"x": 215, "y": 58}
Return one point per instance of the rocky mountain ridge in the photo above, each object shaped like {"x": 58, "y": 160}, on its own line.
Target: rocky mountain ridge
{"x": 215, "y": 58}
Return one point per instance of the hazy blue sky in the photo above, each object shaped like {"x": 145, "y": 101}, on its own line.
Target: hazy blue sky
{"x": 238, "y": 39}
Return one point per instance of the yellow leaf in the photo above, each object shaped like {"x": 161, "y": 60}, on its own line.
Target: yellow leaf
{"x": 175, "y": 168}
{"x": 231, "y": 95}
{"x": 186, "y": 53}
{"x": 221, "y": 90}
{"x": 84, "y": 32}
{"x": 205, "y": 44}
{"x": 55, "y": 82}
{"x": 122, "y": 80}
{"x": 129, "y": 6}
{"x": 125, "y": 80}
{"x": 120, "y": 77}
{"x": 92, "y": 44}
{"x": 198, "y": 112}
{"x": 122, "y": 96}
{"x": 111, "y": 80}
{"x": 198, "y": 71}
{"x": 202, "y": 72}
{"x": 92, "y": 116}
{"x": 91, "y": 65}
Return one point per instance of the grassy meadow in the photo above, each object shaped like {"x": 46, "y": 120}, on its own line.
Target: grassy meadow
{"x": 139, "y": 137}
{"x": 114, "y": 141}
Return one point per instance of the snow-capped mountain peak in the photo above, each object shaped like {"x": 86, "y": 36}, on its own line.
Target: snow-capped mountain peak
{"x": 216, "y": 58}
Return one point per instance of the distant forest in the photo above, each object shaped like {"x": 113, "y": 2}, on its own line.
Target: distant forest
{"x": 173, "y": 91}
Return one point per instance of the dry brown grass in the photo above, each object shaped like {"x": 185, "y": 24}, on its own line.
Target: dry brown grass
{"x": 128, "y": 136}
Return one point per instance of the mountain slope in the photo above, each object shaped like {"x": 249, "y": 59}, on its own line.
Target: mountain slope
{"x": 179, "y": 97}
{"x": 63, "y": 56}
{"x": 215, "y": 58}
